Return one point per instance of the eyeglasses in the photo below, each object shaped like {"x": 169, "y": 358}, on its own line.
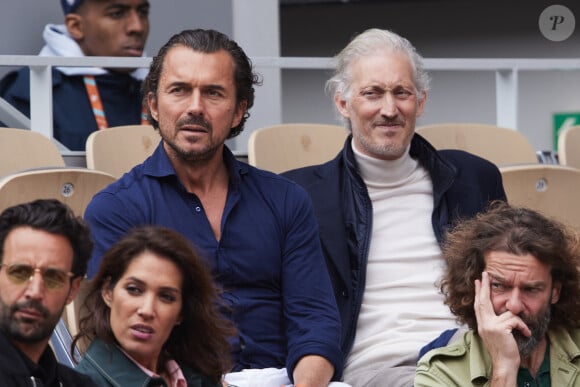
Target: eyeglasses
{"x": 19, "y": 273}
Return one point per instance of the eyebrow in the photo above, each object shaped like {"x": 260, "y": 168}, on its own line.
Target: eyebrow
{"x": 525, "y": 284}
{"x": 124, "y": 7}
{"x": 214, "y": 87}
{"x": 141, "y": 282}
{"x": 32, "y": 263}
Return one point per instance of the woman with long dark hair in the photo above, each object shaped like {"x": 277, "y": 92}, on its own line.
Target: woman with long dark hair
{"x": 151, "y": 315}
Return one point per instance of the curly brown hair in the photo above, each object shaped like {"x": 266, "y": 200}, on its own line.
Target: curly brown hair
{"x": 201, "y": 340}
{"x": 518, "y": 231}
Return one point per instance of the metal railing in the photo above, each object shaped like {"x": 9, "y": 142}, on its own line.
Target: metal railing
{"x": 506, "y": 78}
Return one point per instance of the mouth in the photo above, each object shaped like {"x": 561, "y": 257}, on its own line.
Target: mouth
{"x": 142, "y": 332}
{"x": 133, "y": 50}
{"x": 29, "y": 314}
{"x": 193, "y": 128}
{"x": 390, "y": 125}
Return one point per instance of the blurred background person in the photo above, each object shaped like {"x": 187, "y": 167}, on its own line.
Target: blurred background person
{"x": 86, "y": 99}
{"x": 152, "y": 315}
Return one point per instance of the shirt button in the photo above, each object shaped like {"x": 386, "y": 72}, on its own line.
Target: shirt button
{"x": 197, "y": 209}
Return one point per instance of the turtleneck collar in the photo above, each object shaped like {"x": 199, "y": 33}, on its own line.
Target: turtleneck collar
{"x": 385, "y": 173}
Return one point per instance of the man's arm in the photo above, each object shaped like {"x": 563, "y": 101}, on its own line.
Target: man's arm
{"x": 496, "y": 333}
{"x": 312, "y": 319}
{"x": 313, "y": 371}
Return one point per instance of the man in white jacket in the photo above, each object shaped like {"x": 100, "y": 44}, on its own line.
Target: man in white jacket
{"x": 86, "y": 99}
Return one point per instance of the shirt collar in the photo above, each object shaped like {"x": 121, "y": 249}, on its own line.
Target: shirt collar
{"x": 175, "y": 373}
{"x": 159, "y": 165}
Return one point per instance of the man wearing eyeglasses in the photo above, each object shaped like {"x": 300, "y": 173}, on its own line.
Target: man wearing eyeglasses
{"x": 44, "y": 249}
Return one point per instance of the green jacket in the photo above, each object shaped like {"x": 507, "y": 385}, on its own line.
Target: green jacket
{"x": 466, "y": 362}
{"x": 107, "y": 366}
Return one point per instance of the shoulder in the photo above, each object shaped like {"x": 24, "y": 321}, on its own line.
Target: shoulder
{"x": 457, "y": 349}
{"x": 72, "y": 377}
{"x": 446, "y": 366}
{"x": 269, "y": 182}
{"x": 96, "y": 352}
{"x": 473, "y": 174}
{"x": 314, "y": 174}
{"x": 100, "y": 362}
{"x": 465, "y": 160}
{"x": 566, "y": 341}
{"x": 128, "y": 186}
{"x": 16, "y": 83}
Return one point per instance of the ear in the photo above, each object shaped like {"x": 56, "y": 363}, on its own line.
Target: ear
{"x": 341, "y": 105}
{"x": 74, "y": 289}
{"x": 556, "y": 292}
{"x": 239, "y": 114}
{"x": 107, "y": 293}
{"x": 152, "y": 104}
{"x": 421, "y": 105}
{"x": 74, "y": 25}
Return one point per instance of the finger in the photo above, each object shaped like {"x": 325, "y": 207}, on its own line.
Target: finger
{"x": 485, "y": 286}
{"x": 479, "y": 304}
{"x": 482, "y": 295}
{"x": 522, "y": 328}
{"x": 511, "y": 322}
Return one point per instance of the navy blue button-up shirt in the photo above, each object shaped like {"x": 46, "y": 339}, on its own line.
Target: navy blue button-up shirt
{"x": 268, "y": 260}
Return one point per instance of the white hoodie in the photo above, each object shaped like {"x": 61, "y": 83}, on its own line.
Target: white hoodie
{"x": 59, "y": 43}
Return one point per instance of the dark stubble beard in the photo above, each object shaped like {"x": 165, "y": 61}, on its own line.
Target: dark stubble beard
{"x": 538, "y": 325}
{"x": 24, "y": 330}
{"x": 192, "y": 156}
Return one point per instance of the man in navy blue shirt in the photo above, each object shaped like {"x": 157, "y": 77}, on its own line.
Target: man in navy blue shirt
{"x": 257, "y": 230}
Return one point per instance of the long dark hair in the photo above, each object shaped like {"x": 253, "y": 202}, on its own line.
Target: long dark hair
{"x": 201, "y": 340}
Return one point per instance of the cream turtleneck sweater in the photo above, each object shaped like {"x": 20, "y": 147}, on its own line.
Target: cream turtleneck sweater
{"x": 402, "y": 309}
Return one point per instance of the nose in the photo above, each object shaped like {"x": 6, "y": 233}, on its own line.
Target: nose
{"x": 35, "y": 287}
{"x": 136, "y": 23}
{"x": 514, "y": 302}
{"x": 195, "y": 106}
{"x": 147, "y": 308}
{"x": 389, "y": 105}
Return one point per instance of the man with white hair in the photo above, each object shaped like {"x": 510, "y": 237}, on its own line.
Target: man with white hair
{"x": 383, "y": 206}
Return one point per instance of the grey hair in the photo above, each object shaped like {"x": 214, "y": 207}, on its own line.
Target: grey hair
{"x": 369, "y": 42}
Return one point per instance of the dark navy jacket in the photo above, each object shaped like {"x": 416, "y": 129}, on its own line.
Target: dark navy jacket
{"x": 73, "y": 118}
{"x": 462, "y": 186}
